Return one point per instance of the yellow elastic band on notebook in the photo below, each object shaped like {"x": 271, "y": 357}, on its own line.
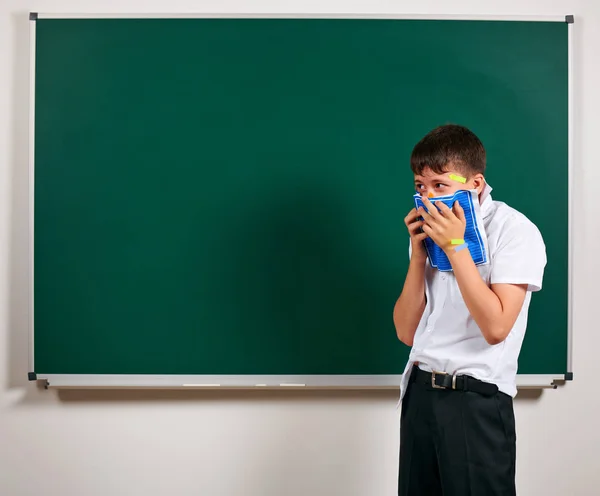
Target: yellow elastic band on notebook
{"x": 457, "y": 241}
{"x": 458, "y": 178}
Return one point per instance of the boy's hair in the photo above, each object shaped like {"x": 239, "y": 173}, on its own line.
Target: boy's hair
{"x": 448, "y": 146}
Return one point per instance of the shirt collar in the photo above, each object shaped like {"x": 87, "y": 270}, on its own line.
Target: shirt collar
{"x": 485, "y": 199}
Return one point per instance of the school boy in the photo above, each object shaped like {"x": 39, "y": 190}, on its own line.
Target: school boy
{"x": 465, "y": 327}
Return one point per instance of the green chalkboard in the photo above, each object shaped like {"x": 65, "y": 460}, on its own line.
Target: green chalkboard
{"x": 225, "y": 196}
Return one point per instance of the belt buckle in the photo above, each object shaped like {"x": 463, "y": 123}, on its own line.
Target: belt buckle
{"x": 435, "y": 386}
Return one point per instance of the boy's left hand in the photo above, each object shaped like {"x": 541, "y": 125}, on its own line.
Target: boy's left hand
{"x": 445, "y": 224}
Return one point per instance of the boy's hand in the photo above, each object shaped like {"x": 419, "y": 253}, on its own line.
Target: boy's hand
{"x": 413, "y": 224}
{"x": 443, "y": 225}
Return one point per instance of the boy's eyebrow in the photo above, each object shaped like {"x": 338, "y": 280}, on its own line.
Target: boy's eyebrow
{"x": 440, "y": 179}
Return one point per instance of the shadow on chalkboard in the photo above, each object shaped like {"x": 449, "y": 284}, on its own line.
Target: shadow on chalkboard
{"x": 314, "y": 297}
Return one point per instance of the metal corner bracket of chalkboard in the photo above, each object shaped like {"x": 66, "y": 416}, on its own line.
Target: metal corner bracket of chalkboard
{"x": 32, "y": 376}
{"x": 569, "y": 19}
{"x": 33, "y": 16}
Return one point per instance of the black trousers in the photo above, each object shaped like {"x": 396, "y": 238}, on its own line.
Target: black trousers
{"x": 456, "y": 443}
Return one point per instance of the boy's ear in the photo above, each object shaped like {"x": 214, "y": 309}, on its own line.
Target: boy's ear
{"x": 478, "y": 182}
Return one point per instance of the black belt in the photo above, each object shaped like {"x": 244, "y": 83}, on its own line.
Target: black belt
{"x": 442, "y": 380}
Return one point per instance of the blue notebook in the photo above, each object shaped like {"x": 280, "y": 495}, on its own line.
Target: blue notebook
{"x": 474, "y": 232}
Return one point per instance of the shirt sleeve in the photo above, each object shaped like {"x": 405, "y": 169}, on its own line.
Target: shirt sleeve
{"x": 520, "y": 257}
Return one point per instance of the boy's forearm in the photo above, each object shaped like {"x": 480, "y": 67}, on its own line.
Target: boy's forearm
{"x": 411, "y": 304}
{"x": 483, "y": 304}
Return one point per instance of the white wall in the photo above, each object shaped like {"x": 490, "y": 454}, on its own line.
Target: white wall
{"x": 266, "y": 444}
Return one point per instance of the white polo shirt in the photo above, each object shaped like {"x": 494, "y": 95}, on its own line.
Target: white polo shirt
{"x": 447, "y": 338}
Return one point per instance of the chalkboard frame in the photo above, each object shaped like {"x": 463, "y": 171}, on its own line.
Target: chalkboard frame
{"x": 278, "y": 381}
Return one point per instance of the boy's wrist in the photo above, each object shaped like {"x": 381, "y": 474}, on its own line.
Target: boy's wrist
{"x": 418, "y": 259}
{"x": 455, "y": 246}
{"x": 457, "y": 252}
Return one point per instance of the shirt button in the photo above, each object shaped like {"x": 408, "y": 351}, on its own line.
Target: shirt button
{"x": 443, "y": 278}
{"x": 428, "y": 330}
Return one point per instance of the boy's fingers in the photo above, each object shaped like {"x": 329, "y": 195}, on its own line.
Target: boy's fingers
{"x": 443, "y": 207}
{"x": 413, "y": 226}
{"x": 459, "y": 212}
{"x": 420, "y": 236}
{"x": 432, "y": 210}
{"x": 412, "y": 215}
{"x": 424, "y": 213}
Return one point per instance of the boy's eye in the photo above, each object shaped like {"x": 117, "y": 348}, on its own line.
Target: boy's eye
{"x": 440, "y": 185}
{"x": 419, "y": 187}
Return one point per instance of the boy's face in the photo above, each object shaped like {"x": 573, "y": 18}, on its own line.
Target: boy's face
{"x": 430, "y": 184}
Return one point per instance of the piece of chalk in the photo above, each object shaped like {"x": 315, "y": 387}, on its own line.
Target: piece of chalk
{"x": 292, "y": 385}
{"x": 457, "y": 241}
{"x": 202, "y": 385}
{"x": 461, "y": 247}
{"x": 458, "y": 178}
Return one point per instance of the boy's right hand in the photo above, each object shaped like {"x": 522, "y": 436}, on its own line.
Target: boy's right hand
{"x": 414, "y": 224}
